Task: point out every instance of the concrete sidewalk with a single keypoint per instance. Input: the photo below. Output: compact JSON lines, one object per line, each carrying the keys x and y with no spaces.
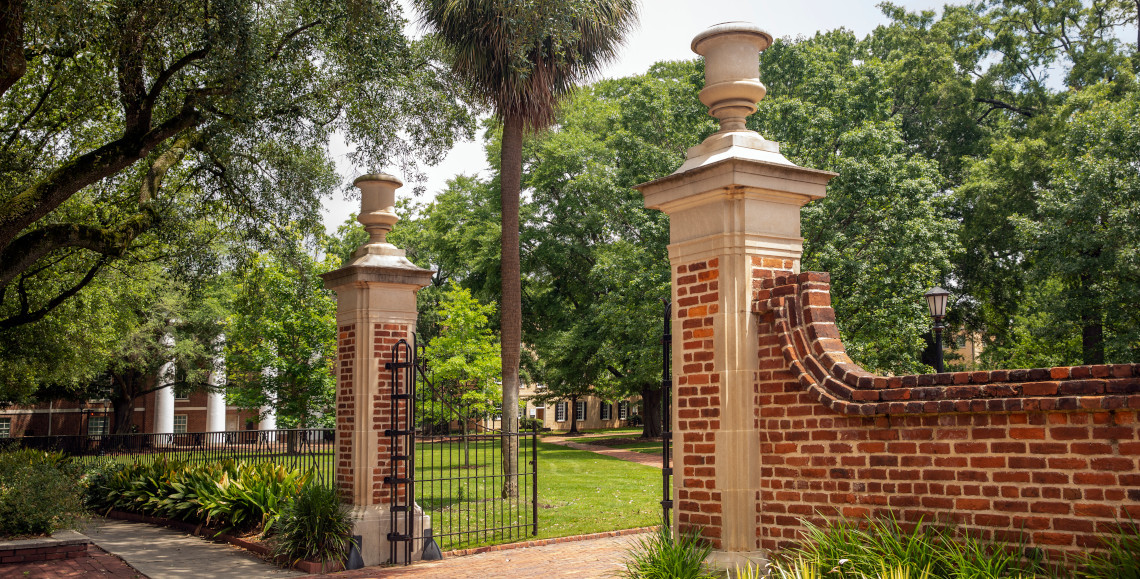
{"x":162,"y":553}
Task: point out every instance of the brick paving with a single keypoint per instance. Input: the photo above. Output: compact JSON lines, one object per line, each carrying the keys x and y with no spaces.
{"x":99,"y":563}
{"x":587,"y":559}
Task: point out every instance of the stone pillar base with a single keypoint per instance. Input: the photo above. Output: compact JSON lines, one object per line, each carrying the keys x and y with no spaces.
{"x":731,"y":560}
{"x":373,"y":523}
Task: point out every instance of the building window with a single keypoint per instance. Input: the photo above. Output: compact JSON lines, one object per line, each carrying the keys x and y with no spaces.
{"x":181,"y":392}
{"x":179,"y":423}
{"x":580,"y":410}
{"x":607,"y":410}
{"x":5,"y":427}
{"x":560,"y":411}
{"x":96,"y":425}
{"x":623,"y":410}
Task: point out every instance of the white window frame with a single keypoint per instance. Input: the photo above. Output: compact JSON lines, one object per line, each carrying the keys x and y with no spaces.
{"x":97,"y":425}
{"x":580,"y":410}
{"x":180,"y":425}
{"x":607,"y":411}
{"x":5,"y":427}
{"x":623,"y":410}
{"x":560,"y":411}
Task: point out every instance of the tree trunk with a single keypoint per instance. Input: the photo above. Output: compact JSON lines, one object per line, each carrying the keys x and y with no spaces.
{"x":1092,"y":324}
{"x":510,"y":306}
{"x":12,"y":63}
{"x":573,"y":415}
{"x":651,"y":406}
{"x":1092,"y":341}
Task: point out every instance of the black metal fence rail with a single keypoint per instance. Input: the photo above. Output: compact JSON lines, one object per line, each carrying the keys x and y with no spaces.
{"x":304,"y":449}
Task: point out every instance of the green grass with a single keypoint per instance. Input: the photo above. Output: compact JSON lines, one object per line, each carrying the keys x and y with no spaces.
{"x":579,"y":492}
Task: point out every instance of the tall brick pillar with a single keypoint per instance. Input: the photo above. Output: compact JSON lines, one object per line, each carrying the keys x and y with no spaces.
{"x":376,"y":307}
{"x":734,"y":209}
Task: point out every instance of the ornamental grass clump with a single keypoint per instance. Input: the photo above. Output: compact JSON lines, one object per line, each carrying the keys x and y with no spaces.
{"x":315,"y":525}
{"x":233,"y":495}
{"x":40,"y":493}
{"x":661,"y":556}
{"x":881,"y":549}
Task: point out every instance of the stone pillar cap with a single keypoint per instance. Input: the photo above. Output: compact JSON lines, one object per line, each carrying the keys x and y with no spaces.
{"x":378,"y":177}
{"x":764,"y":39}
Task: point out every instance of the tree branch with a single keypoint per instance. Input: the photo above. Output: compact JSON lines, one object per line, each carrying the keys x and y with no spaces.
{"x":29,"y":248}
{"x":36,"y":201}
{"x":1007,"y":106}
{"x":26,"y":317}
{"x":165,"y":76}
{"x":290,"y":36}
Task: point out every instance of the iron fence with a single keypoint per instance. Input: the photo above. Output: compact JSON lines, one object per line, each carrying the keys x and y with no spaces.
{"x":304,"y":449}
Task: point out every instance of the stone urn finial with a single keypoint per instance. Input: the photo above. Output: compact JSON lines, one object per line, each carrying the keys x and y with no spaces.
{"x":378,"y":214}
{"x":377,"y":205}
{"x":732,"y":71}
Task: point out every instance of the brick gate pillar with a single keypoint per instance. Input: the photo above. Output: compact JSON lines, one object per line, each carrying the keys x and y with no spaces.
{"x":376,"y":307}
{"x":734,"y":209}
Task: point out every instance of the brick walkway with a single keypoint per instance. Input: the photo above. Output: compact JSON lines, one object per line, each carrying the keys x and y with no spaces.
{"x":589,"y":559}
{"x":100,"y":564}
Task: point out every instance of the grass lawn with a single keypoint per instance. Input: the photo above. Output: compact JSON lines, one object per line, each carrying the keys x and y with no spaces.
{"x":582,"y":492}
{"x":579,"y":492}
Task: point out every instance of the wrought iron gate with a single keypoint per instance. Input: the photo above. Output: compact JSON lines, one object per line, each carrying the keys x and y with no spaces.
{"x":666,"y":412}
{"x":449,"y":457}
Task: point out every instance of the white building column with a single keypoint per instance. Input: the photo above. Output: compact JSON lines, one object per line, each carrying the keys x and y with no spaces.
{"x":164,"y":402}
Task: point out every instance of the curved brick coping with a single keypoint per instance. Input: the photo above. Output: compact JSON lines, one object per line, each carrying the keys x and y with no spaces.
{"x":800,"y":310}
{"x":544,"y":542}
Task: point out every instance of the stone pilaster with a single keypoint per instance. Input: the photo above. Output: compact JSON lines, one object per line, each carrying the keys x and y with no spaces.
{"x":376,"y":307}
{"x":734,"y":215}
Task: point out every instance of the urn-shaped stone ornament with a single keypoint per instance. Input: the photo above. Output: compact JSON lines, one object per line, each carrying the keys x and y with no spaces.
{"x":732,"y":71}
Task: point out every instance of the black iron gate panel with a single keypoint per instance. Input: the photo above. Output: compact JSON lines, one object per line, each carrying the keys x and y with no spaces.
{"x":458,"y":457}
{"x":667,"y":412}
{"x":400,"y":480}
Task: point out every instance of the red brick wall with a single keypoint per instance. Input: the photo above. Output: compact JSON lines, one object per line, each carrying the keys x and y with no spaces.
{"x":698,"y":386}
{"x":1052,"y":453}
{"x":345,"y":405}
{"x":384,"y":337}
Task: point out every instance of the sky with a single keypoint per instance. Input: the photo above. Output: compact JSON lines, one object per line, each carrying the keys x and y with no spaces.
{"x":667,"y":27}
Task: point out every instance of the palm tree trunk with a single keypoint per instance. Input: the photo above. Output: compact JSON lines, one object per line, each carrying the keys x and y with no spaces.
{"x":510,"y":308}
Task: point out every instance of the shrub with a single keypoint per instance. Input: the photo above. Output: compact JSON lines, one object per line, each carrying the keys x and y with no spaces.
{"x":315,"y":525}
{"x":40,"y":493}
{"x":230,"y":494}
{"x":659,"y":556}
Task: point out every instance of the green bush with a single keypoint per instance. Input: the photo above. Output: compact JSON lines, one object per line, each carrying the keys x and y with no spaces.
{"x":230,"y":494}
{"x":316,"y":525}
{"x":40,"y":493}
{"x":659,"y":556}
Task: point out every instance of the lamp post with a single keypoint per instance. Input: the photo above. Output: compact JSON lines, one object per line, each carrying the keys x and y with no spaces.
{"x":936,"y":301}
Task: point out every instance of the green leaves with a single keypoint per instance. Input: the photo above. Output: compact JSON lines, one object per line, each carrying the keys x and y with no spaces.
{"x":281,"y":338}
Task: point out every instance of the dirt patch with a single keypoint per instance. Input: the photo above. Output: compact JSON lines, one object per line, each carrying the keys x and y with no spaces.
{"x":612,"y":442}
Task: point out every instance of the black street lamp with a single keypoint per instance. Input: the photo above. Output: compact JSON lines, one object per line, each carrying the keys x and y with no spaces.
{"x":936,"y":301}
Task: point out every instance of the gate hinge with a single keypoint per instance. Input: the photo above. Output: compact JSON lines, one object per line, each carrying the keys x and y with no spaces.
{"x":398,"y":537}
{"x":389,"y":480}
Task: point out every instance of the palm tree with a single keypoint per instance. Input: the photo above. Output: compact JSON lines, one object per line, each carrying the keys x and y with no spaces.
{"x":520,"y":57}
